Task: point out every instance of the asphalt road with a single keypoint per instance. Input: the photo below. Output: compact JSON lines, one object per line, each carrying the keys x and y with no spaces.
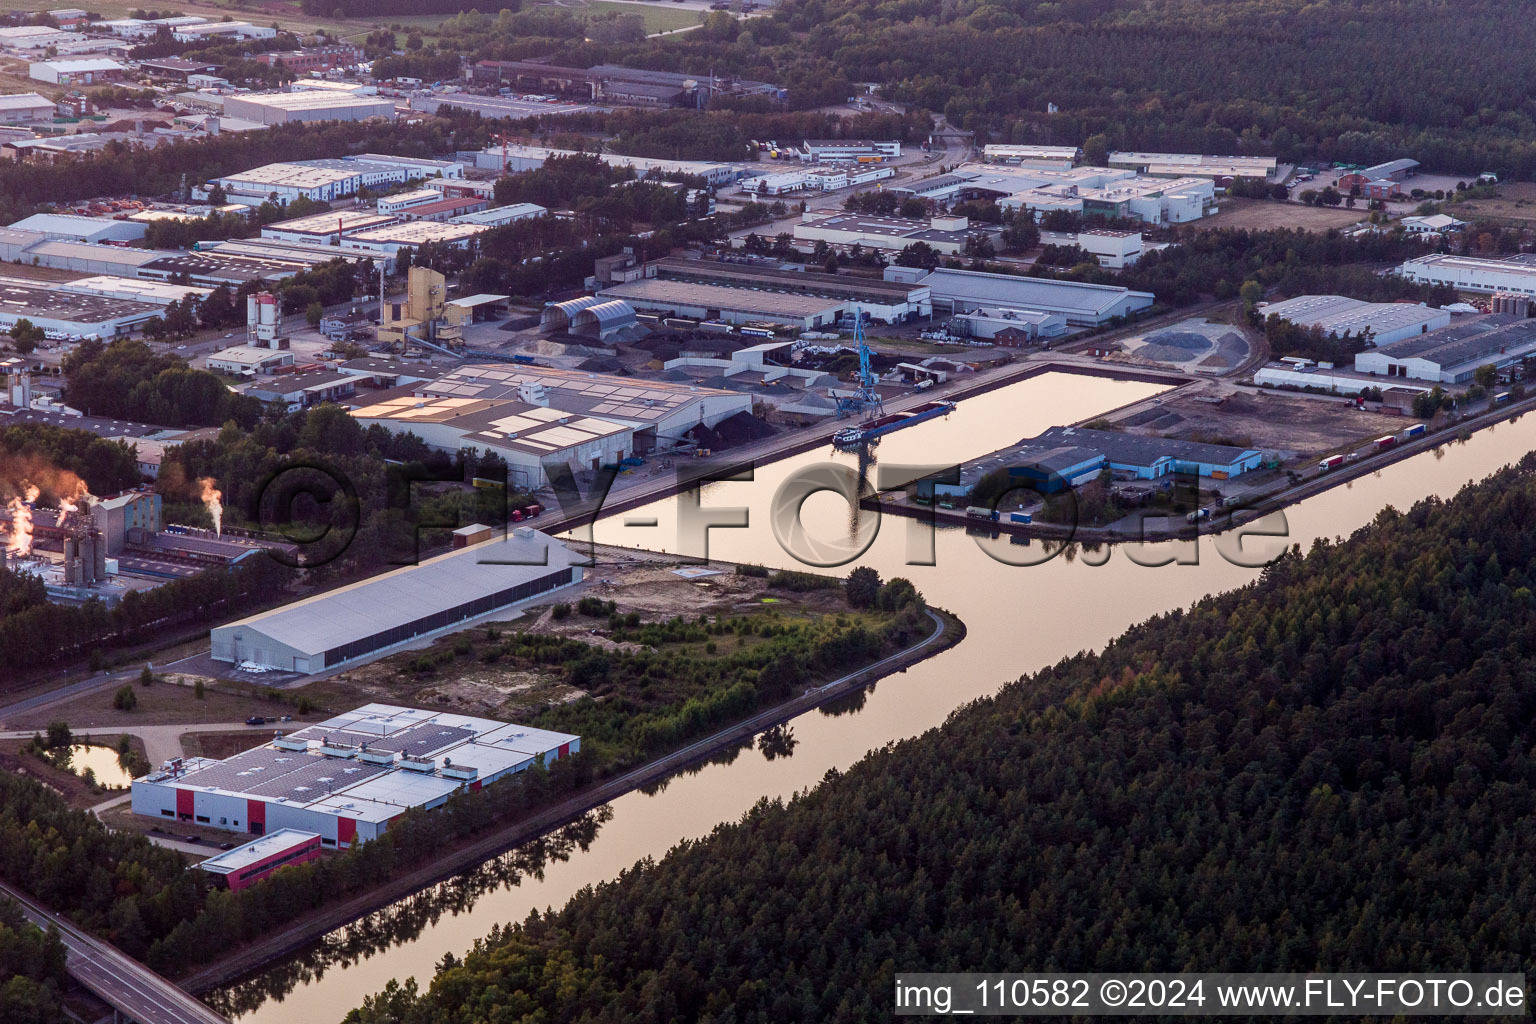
{"x":119,"y":980}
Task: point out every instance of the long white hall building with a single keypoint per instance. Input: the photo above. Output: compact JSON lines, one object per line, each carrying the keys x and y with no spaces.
{"x":348,"y":777}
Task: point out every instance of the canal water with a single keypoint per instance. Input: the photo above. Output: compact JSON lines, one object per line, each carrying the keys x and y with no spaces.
{"x":1020,"y":618}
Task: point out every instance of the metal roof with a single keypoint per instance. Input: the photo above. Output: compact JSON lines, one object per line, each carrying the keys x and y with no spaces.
{"x":325,"y":621}
{"x":1390,"y":167}
{"x":614,"y":313}
{"x":1339,"y":314}
{"x":1139,"y":450}
{"x":1027,"y":292}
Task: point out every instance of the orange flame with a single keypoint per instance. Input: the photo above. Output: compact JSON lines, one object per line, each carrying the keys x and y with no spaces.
{"x":213,"y":499}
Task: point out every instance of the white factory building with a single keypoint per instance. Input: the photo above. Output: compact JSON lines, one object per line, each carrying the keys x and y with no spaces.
{"x":84,"y":71}
{"x":1080,"y":304}
{"x":499,"y":215}
{"x":25,"y":108}
{"x":387,"y":241}
{"x":514,"y":158}
{"x":70,"y":314}
{"x":1194,"y":165}
{"x":945,"y":234}
{"x":818,"y":150}
{"x":654,"y":410}
{"x":1007,"y":326}
{"x":1452,"y":355}
{"x":1474,"y":273}
{"x":1094,"y":191}
{"x":289,"y":181}
{"x":221,"y":31}
{"x":68,"y":227}
{"x":1055,"y":157}
{"x":348,"y":777}
{"x":325,"y":228}
{"x":1337,"y":315}
{"x":531,"y":438}
{"x":286,"y":107}
{"x":364,"y":619}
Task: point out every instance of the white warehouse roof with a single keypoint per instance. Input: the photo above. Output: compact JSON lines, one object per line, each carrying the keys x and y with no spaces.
{"x":404,"y":597}
{"x":1339,"y":314}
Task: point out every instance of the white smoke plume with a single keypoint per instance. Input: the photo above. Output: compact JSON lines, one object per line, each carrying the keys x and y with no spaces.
{"x":20,"y":532}
{"x":213,"y":500}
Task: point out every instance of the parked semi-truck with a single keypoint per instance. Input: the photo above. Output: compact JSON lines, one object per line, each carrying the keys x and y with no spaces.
{"x":1383,"y":443}
{"x":981,"y":512}
{"x":1331,"y":462}
{"x":1417,"y":430}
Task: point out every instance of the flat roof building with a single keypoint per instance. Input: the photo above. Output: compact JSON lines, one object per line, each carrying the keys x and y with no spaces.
{"x":67,"y":314}
{"x":815,"y":150}
{"x":251,"y":862}
{"x":948,"y":235}
{"x":288,"y":107}
{"x":1194,"y":165}
{"x":289,"y":181}
{"x":497,"y":216}
{"x":243,"y":360}
{"x":514,"y":158}
{"x":84,"y":71}
{"x":25,"y":108}
{"x":1379,"y":322}
{"x":1060,"y":157}
{"x":799,"y":296}
{"x":325,"y":228}
{"x":1081,"y":304}
{"x":1472,"y":273}
{"x":302,"y":390}
{"x":345,"y":779}
{"x":402,"y":201}
{"x":375,"y":615}
{"x":1152,"y":457}
{"x":388,"y":240}
{"x":530,"y":438}
{"x":654,"y":410}
{"x":68,"y":227}
{"x":1452,"y":355}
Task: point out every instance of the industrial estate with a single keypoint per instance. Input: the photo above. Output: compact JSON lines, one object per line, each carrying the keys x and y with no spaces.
{"x":417,"y":433}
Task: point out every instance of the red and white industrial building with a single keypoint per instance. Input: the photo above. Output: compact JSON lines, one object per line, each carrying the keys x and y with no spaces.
{"x":347,"y":778}
{"x":250,"y":862}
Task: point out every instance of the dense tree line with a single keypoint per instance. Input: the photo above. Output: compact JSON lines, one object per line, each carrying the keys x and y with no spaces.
{"x":126,"y":380}
{"x":37,"y":633}
{"x":1329,"y":769}
{"x":116,"y":884}
{"x":106,"y":466}
{"x":32,"y":964}
{"x":1293,"y":261}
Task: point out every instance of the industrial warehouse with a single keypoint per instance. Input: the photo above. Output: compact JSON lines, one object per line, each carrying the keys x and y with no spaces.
{"x":736,"y":293}
{"x":532,"y":439}
{"x":1452,"y":355}
{"x":1381,"y":323}
{"x":1080,"y":304}
{"x":345,"y":779}
{"x":365,"y":618}
{"x":289,"y":107}
{"x":70,"y":314}
{"x":1474,"y":273}
{"x":657,"y":411}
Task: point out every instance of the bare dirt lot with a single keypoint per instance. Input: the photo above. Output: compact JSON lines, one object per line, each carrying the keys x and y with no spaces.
{"x":640,"y":582}
{"x":1516,"y":202}
{"x":1263,"y":419}
{"x":1261,"y":214}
